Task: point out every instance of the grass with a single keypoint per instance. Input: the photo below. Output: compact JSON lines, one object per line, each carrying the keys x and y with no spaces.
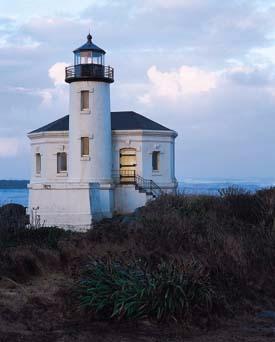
{"x":231,"y":239}
{"x":178,"y":258}
{"x":133,"y":291}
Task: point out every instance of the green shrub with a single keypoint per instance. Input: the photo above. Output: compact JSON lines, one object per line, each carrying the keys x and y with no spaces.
{"x":129,"y":291}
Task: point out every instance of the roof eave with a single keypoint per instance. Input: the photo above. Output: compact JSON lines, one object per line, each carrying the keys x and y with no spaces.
{"x":169,"y":133}
{"x":47,"y":134}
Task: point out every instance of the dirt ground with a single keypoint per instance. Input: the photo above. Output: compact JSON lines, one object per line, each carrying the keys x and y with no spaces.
{"x":38,"y":310}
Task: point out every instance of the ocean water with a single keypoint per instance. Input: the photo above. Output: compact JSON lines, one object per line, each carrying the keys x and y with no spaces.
{"x":19,"y":196}
{"x":213,"y":186}
{"x":189,"y":186}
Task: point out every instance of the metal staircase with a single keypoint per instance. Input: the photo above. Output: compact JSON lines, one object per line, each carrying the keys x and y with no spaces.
{"x":147,"y":186}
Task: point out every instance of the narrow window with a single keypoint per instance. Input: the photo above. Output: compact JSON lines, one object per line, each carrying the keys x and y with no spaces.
{"x":84,"y":146}
{"x":38,"y":163}
{"x":155,"y":160}
{"x":61,"y":162}
{"x":84,"y":100}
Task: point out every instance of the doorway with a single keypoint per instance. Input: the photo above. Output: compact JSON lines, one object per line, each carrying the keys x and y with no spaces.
{"x":128,"y":163}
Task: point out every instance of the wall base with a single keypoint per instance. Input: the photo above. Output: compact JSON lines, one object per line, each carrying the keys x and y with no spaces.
{"x":128,"y":199}
{"x":71,"y":206}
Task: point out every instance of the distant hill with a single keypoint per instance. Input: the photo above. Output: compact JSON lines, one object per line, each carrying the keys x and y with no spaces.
{"x":13,"y":184}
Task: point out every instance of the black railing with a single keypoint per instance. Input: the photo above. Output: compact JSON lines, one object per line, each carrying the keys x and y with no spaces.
{"x":93,"y":72}
{"x":142,"y":184}
{"x":149,"y":186}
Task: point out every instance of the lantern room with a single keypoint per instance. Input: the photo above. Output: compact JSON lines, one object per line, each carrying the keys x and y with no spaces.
{"x":89,"y":53}
{"x":89,"y":64}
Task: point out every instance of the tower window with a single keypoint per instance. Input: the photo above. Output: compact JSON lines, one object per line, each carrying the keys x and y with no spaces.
{"x":84,"y":100}
{"x":156,"y":161}
{"x":84,"y":146}
{"x":38,"y":163}
{"x":61,"y":162}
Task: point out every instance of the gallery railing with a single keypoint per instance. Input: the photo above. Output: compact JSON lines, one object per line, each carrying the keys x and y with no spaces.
{"x":93,"y":72}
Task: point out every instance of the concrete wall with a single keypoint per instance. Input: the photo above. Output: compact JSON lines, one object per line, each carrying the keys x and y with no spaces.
{"x":48,"y":145}
{"x":61,"y":204}
{"x":95,"y":124}
{"x":127,"y":199}
{"x":145,"y":143}
{"x":68,"y":203}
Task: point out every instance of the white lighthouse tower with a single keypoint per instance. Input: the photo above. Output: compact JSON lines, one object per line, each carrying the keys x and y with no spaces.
{"x":90,"y":135}
{"x":93,"y":163}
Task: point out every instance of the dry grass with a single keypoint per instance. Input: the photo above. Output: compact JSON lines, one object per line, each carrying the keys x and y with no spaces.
{"x":230,"y":237}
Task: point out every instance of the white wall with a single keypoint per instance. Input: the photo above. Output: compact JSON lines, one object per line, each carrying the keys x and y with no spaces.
{"x":95,"y":124}
{"x":145,"y":142}
{"x":48,"y":145}
{"x":127,"y":199}
{"x":63,"y":205}
{"x":73,"y":204}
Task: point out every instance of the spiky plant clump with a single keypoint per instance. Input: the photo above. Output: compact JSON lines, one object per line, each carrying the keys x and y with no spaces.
{"x":117,"y":290}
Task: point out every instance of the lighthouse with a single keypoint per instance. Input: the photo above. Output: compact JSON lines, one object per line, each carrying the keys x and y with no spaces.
{"x":90,"y":136}
{"x":94,"y":163}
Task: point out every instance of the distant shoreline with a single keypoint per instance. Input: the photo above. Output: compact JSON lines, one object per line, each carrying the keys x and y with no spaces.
{"x":194,"y":186}
{"x":14,"y":184}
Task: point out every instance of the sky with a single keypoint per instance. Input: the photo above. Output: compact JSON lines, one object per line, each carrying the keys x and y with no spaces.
{"x":205,"y":68}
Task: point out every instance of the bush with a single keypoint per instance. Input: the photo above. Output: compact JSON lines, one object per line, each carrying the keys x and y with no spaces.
{"x":12,"y":216}
{"x":230,"y":236}
{"x":42,"y":237}
{"x":14,"y":231}
{"x":243,"y":205}
{"x":129,"y":291}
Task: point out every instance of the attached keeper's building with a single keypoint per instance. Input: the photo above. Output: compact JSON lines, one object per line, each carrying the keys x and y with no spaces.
{"x":94,"y":163}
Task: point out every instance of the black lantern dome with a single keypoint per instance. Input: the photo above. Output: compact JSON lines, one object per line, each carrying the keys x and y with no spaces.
{"x":89,"y":64}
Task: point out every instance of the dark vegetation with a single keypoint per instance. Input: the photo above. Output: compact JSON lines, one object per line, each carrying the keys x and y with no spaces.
{"x":13,"y":184}
{"x":189,"y":259}
{"x":184,"y":258}
{"x":13,"y":231}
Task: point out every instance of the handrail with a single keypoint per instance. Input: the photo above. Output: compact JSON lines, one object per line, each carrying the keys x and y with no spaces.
{"x":130,"y":177}
{"x":148,"y":184}
{"x":89,"y":71}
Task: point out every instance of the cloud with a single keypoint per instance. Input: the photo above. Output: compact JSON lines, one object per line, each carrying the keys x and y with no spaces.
{"x":57,"y":73}
{"x":8,"y":147}
{"x":227,"y":130}
{"x":202,"y":67}
{"x":49,"y":95}
{"x":173,"y":3}
{"x":200,"y":32}
{"x":175,"y":84}
{"x":258,"y":77}
{"x":188,"y":82}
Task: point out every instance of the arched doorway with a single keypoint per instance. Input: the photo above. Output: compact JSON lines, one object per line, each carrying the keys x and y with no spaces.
{"x":128,"y":162}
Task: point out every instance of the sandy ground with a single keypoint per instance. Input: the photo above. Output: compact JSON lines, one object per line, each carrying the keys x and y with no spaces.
{"x":38,"y":311}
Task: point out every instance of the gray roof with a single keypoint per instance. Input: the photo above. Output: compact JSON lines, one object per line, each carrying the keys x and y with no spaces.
{"x":119,"y":121}
{"x":90,"y":46}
